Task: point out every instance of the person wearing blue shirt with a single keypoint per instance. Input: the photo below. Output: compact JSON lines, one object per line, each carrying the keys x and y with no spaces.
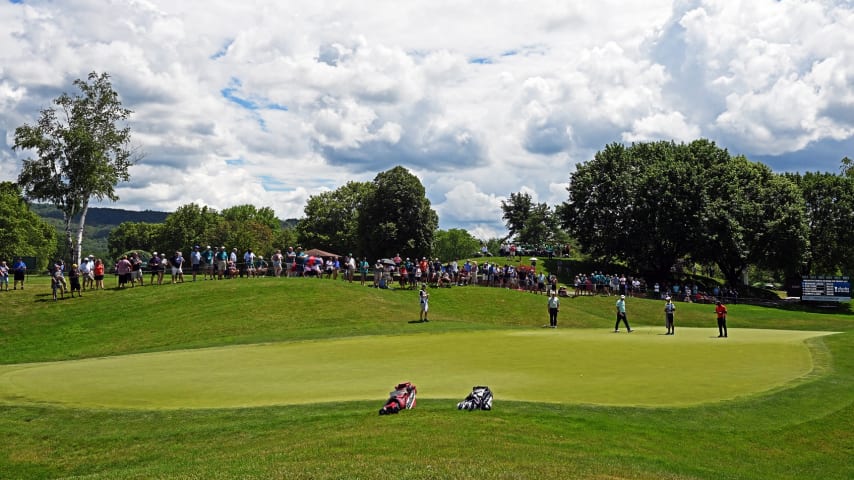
{"x":208,"y":262}
{"x":621,"y":315}
{"x":20,"y":271}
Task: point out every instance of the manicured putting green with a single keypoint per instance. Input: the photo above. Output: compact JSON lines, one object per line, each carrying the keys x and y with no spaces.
{"x":643,"y":368}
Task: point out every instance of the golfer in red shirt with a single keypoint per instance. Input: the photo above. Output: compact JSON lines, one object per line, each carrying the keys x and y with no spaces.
{"x":720,"y":309}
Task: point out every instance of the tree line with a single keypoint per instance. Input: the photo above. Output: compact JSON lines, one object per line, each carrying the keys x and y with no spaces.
{"x":651,"y":205}
{"x":375,"y":219}
{"x":656,"y":205}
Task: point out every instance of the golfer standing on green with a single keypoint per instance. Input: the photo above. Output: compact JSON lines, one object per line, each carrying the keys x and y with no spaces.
{"x":621,"y":315}
{"x":423,"y":298}
{"x":720,"y":310}
{"x":669,"y":308}
{"x":554,"y":307}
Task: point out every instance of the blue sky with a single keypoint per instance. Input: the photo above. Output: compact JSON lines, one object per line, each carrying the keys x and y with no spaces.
{"x":269,"y":103}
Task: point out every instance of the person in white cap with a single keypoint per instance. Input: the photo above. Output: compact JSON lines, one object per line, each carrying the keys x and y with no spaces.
{"x":87,"y":275}
{"x":621,"y":315}
{"x":669,"y":308}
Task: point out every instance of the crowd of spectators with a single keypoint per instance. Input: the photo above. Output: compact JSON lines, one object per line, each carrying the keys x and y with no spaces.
{"x":220,"y":263}
{"x":598,"y":283}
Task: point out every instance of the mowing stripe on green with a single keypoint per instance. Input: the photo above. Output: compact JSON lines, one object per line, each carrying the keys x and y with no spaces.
{"x":643,"y":368}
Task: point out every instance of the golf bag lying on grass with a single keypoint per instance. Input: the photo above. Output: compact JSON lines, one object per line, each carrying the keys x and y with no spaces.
{"x":403,"y":397}
{"x":480,"y":398}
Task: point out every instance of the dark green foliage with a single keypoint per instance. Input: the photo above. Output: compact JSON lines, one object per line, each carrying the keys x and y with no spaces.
{"x":397,"y":217}
{"x":455,"y":244}
{"x":134,"y":236}
{"x":22,"y":232}
{"x":527,"y":222}
{"x":189,"y":225}
{"x":653,"y":204}
{"x":331,"y":221}
{"x":829,"y":204}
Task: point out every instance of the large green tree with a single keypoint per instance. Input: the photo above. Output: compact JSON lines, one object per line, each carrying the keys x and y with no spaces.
{"x":134,"y":236}
{"x":245,"y":226}
{"x":653,"y":204}
{"x":829,"y":204}
{"x":528,"y":222}
{"x":515,"y":211}
{"x":397,"y":217}
{"x":455,"y":244}
{"x":83,"y":150}
{"x":331,"y":219}
{"x":753,"y":217}
{"x":189,"y":225}
{"x":596,"y":211}
{"x":22,"y":232}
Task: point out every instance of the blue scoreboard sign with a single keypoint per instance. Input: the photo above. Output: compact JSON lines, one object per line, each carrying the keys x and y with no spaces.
{"x":826,"y":289}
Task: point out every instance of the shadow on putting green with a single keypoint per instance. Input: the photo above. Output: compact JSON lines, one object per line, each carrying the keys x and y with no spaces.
{"x":543,"y":365}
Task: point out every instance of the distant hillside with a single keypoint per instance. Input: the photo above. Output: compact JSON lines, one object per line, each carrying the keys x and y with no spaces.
{"x":103,"y":216}
{"x":99,"y":223}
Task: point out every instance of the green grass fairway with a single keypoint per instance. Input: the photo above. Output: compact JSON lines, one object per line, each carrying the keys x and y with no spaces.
{"x":585,"y":366}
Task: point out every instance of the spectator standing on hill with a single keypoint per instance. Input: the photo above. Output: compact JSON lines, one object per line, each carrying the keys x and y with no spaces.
{"x":423,"y":298}
{"x":351,"y":267}
{"x":58,"y":272}
{"x":290,"y":262}
{"x":233,"y":256}
{"x":299,"y":265}
{"x":98,"y":273}
{"x":261,"y":266}
{"x":177,"y":267}
{"x":363,"y":270}
{"x":669,"y":309}
{"x":329,"y":267}
{"x":136,"y":269}
{"x":207,"y":263}
{"x":249,"y":262}
{"x":85,"y":270}
{"x":56,"y":282}
{"x":621,"y":315}
{"x":195,"y":261}
{"x":720,"y":310}
{"x":89,"y":280}
{"x":19,"y":271}
{"x":554,"y":308}
{"x":74,"y":280}
{"x":221,"y":262}
{"x":154,"y":267}
{"x":4,"y":275}
{"x":123,"y":270}
{"x":277,"y":259}
{"x":249,"y":259}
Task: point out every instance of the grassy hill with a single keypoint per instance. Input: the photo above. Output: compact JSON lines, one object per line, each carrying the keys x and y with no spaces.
{"x":800,"y":430}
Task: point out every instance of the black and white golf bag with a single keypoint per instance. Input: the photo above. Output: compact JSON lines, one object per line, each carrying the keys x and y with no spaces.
{"x":480,"y":398}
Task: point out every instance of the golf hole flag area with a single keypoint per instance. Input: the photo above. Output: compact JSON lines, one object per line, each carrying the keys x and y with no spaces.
{"x":643,"y":368}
